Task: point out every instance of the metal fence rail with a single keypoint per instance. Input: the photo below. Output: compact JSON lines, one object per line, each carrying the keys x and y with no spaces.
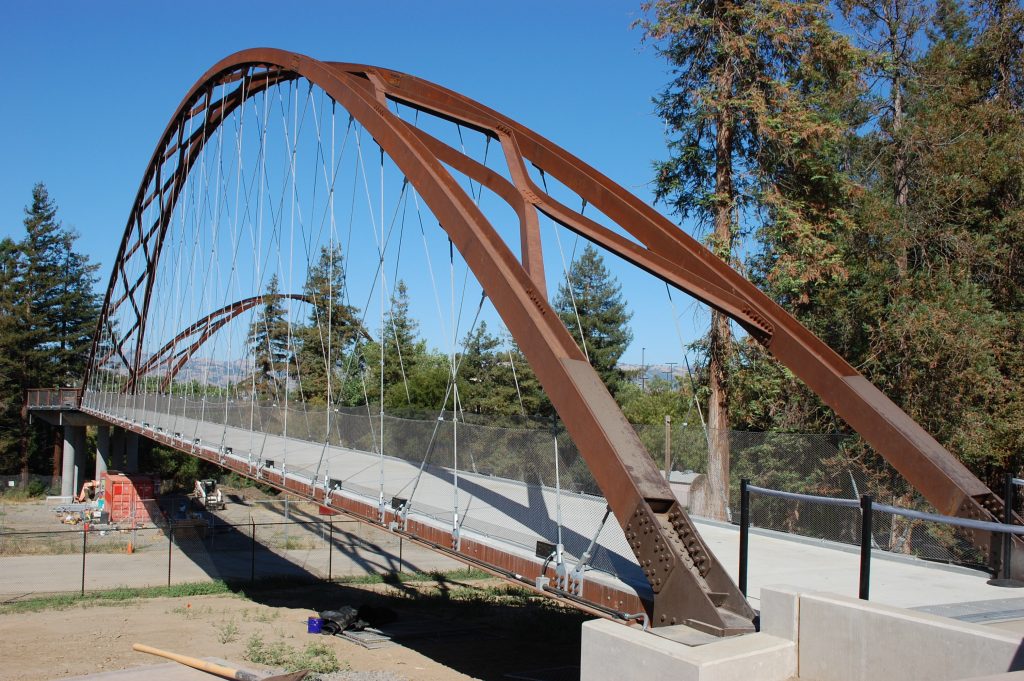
{"x":867,"y":509}
{"x":83,"y":560}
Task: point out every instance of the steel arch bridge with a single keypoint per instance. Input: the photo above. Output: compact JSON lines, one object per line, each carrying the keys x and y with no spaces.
{"x":184,"y":209}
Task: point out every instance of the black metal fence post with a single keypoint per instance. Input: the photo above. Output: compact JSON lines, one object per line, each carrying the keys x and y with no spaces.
{"x":85,"y":534}
{"x":170,"y":548}
{"x":330,"y":548}
{"x":1008,"y":502}
{"x":744,"y":533}
{"x":252,"y":565}
{"x":865,"y":545}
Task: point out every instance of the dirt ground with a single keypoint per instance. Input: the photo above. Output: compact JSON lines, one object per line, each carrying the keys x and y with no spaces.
{"x":449,"y":640}
{"x":443,"y":630}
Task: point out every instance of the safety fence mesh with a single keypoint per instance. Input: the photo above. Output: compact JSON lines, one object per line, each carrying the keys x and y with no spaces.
{"x":290,"y":542}
{"x":541,"y":457}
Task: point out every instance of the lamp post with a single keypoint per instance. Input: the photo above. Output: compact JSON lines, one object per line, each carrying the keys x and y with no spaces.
{"x":643,"y":369}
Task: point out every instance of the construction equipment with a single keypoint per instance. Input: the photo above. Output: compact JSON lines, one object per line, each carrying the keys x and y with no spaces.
{"x":217,"y":669}
{"x":208,"y":496}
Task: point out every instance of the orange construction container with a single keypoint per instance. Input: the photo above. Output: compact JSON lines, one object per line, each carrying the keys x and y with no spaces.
{"x":130,"y":498}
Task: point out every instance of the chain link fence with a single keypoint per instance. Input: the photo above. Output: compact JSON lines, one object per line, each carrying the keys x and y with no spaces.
{"x":298,"y":546}
{"x":540,"y":455}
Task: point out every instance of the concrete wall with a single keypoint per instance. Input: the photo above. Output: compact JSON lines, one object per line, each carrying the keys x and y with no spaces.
{"x":845,"y":639}
{"x":815,"y":636}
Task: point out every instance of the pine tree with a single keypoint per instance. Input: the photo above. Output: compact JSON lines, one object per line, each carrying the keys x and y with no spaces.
{"x":486,"y":384}
{"x":889,"y":30}
{"x":45,"y":251}
{"x":269,"y":346}
{"x":325,"y":341}
{"x":77,"y":312}
{"x":57,"y":313}
{"x":590,"y":305}
{"x":744,"y":134}
{"x":13,"y":371}
{"x":403,"y":349}
{"x":944,"y":329}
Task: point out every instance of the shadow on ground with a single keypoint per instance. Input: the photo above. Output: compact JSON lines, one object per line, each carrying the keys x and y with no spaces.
{"x":487,"y":630}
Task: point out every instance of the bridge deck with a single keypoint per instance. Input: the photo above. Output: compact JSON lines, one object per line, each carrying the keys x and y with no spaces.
{"x":501,"y":520}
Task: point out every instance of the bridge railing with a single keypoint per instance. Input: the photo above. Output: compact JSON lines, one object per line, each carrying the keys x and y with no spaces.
{"x":871,"y":525}
{"x":53,"y":398}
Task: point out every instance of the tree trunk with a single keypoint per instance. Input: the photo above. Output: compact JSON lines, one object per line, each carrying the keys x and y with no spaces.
{"x":721,"y":335}
{"x":895,"y":15}
{"x":58,"y":452}
{"x":23,"y":442}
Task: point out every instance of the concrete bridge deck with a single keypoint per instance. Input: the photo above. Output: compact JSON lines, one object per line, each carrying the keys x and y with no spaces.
{"x":510,"y":516}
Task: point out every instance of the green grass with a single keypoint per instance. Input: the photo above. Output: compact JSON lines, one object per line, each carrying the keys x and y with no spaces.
{"x":217,"y":587}
{"x":316,"y":657}
{"x":113,"y":596}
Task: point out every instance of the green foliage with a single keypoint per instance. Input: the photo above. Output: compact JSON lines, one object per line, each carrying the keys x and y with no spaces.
{"x":591,"y":306}
{"x":325,"y":342}
{"x":887,"y":219}
{"x":113,"y":597}
{"x":178,"y":467}
{"x":486,"y":383}
{"x":652,"y":405}
{"x":269,"y":345}
{"x":48,"y":313}
{"x":315,"y":657}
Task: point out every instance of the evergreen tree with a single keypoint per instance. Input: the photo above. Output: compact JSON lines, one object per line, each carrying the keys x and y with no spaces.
{"x":590,"y":305}
{"x":54,"y":318}
{"x":486,"y":384}
{"x":889,"y":30}
{"x":325,"y":342}
{"x":268,"y":344}
{"x":403,"y":349}
{"x":531,"y":400}
{"x":78,"y":310}
{"x":749,"y":115}
{"x":944,"y":328}
{"x":45,"y":252}
{"x":13,"y":371}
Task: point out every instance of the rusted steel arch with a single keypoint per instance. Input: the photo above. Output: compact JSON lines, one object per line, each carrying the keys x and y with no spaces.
{"x":688,"y":583}
{"x":176,"y":144}
{"x":173,"y":359}
{"x":673,"y":256}
{"x":206,"y":328}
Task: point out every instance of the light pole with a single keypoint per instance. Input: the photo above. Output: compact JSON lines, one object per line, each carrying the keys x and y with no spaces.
{"x":643,"y":369}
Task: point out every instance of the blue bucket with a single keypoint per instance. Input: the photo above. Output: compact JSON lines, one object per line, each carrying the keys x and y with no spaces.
{"x":314,"y":625}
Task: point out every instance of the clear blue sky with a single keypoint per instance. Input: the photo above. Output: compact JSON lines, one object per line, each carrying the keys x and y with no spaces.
{"x":90,"y":86}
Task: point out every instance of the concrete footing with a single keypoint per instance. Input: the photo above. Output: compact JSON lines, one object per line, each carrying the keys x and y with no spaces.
{"x":614,"y":651}
{"x":816,"y":636}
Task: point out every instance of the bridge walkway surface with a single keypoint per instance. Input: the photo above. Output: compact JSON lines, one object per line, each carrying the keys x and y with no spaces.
{"x":511,"y":516}
{"x":503,"y":518}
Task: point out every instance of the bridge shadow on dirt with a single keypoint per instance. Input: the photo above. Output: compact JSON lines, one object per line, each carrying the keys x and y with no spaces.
{"x":486,"y":629}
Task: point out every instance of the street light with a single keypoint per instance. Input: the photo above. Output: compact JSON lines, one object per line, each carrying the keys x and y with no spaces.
{"x":643,"y":369}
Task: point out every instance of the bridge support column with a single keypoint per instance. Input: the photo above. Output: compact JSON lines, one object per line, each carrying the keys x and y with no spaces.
{"x":117,"y":447}
{"x":145,"y":449}
{"x":73,"y":467}
{"x":131,"y":452}
{"x":102,"y":450}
